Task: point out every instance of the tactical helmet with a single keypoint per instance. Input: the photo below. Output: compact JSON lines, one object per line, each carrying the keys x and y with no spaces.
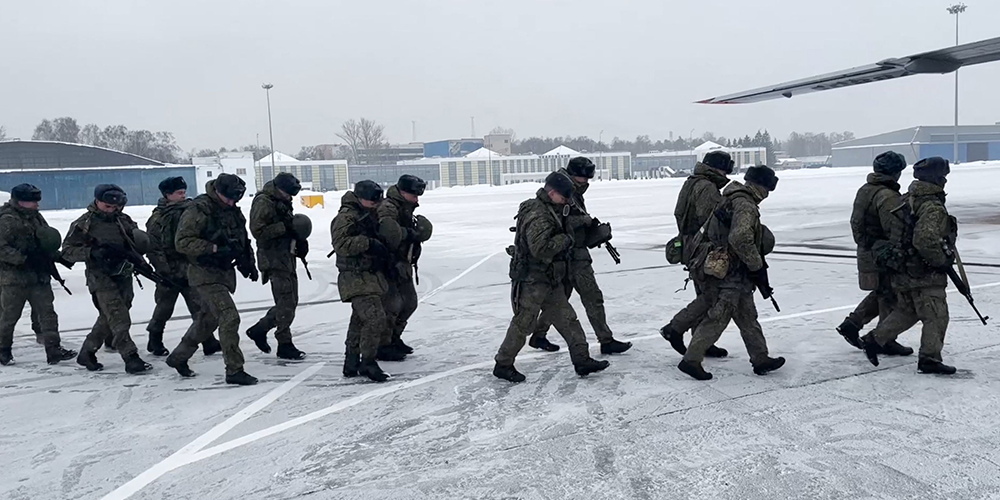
{"x":49,"y":239}
{"x":933,"y":170}
{"x":287,"y":183}
{"x":302,"y":226}
{"x":172,"y":185}
{"x":763,"y":176}
{"x":889,"y":162}
{"x":110,"y":194}
{"x":25,"y":192}
{"x":581,"y":167}
{"x":560,"y":184}
{"x":766,"y":240}
{"x":424,"y":228}
{"x":719,"y":160}
{"x":141,"y":240}
{"x":230,"y":186}
{"x":411,"y":184}
{"x":368,"y":190}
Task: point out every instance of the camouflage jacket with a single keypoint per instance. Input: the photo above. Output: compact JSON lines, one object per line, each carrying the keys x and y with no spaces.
{"x":743,"y":235}
{"x":872,"y":223}
{"x":18,"y":242}
{"x":542,"y":244}
{"x":932,"y":230}
{"x":579,"y":222}
{"x":95,"y":228}
{"x":352,"y":231}
{"x":209,"y":222}
{"x":270,"y":217}
{"x":397,"y":228}
{"x":162,"y":229}
{"x":698,"y":199}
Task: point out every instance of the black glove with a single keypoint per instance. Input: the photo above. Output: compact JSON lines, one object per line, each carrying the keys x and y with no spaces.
{"x":598,"y":235}
{"x":301,"y":248}
{"x":377,"y":249}
{"x":106,"y":254}
{"x":761,"y":281}
{"x":59,"y":259}
{"x":249,"y":271}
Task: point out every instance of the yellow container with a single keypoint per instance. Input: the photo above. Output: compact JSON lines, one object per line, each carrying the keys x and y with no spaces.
{"x":313,"y":200}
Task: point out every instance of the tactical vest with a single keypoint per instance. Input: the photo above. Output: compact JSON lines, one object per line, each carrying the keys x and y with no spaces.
{"x":872,"y":224}
{"x":366,"y":225}
{"x":522,"y":266}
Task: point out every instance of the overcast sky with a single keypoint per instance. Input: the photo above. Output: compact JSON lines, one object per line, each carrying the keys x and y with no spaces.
{"x":194,"y":67}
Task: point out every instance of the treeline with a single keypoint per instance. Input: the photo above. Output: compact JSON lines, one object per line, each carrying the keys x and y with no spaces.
{"x":160,"y":146}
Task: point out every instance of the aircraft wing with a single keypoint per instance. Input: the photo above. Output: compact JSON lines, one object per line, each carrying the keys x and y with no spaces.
{"x":939,"y":61}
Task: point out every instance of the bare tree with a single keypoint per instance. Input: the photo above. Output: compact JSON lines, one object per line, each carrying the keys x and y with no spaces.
{"x":43,"y":131}
{"x":91,"y":134}
{"x":306,"y":153}
{"x":3,"y":133}
{"x":363,"y":136}
{"x":504,"y":130}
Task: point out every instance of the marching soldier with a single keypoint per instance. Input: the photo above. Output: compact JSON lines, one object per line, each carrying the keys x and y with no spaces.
{"x":696,"y":203}
{"x":922,"y":255}
{"x":103,"y":238}
{"x":540,"y":272}
{"x":403,"y":234}
{"x":272,"y":225}
{"x":737,"y":264}
{"x":212,"y":234}
{"x":361,"y":260}
{"x":28,"y":250}
{"x":586,"y":230}
{"x":872,"y":223}
{"x":162,"y":228}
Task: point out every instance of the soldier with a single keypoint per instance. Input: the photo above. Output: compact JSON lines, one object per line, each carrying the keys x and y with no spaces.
{"x":162,"y":228}
{"x":922,"y":255}
{"x":585,"y":229}
{"x":403,"y":234}
{"x":361,"y":259}
{"x":737,"y":261}
{"x":872,"y":223}
{"x":540,"y":272}
{"x":696,"y":203}
{"x":271,"y":224}
{"x":212,"y":233}
{"x":28,"y":248}
{"x":103,"y":237}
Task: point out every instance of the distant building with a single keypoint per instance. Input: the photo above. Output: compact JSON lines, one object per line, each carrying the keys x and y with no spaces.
{"x":975,"y":143}
{"x":237,"y":163}
{"x":315,"y":175}
{"x":501,"y":143}
{"x":451,"y":148}
{"x":489,"y":167}
{"x":391,"y":153}
{"x":684,"y":161}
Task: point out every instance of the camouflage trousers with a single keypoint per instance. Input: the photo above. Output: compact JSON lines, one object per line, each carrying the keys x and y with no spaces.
{"x":43,"y":314}
{"x":727,"y":304}
{"x":285,"y":290}
{"x":929,"y":306}
{"x":400,"y":303}
{"x":531,"y":298}
{"x":876,"y":304}
{"x":368,"y":325}
{"x":166,"y":300}
{"x":219,"y":312}
{"x":692,"y":314}
{"x":585,"y":283}
{"x":113,"y":320}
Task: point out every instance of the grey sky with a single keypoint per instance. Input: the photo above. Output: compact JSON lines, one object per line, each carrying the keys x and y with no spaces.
{"x":541,"y":67}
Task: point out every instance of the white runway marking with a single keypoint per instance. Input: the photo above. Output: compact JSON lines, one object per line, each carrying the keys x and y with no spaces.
{"x":460,"y":276}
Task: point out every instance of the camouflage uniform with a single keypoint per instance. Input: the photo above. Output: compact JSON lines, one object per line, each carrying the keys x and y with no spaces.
{"x":540,"y":272}
{"x":361,"y":281}
{"x":270,"y":222}
{"x":24,"y":276}
{"x":209,"y":222}
{"x":109,"y":281}
{"x":581,"y":270}
{"x":731,"y":298}
{"x":921,"y":286}
{"x":397,"y":228}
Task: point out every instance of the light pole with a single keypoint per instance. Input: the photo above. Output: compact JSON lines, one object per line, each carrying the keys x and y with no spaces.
{"x":267,"y":89}
{"x":956,"y":9}
{"x":600,"y":156}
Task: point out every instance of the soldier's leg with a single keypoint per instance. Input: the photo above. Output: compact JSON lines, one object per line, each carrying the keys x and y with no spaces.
{"x":196,"y":309}
{"x":99,"y":332}
{"x":219,"y":304}
{"x":568,"y":325}
{"x":539,"y":333}
{"x":36,"y":326}
{"x":408,"y":293}
{"x":166,"y":299}
{"x":585,"y":283}
{"x":203,"y":325}
{"x":42,"y":303}
{"x":867,"y":310}
{"x":370,"y":323}
{"x":745,"y":317}
{"x":716,"y":320}
{"x":392,"y":306}
{"x":692,"y":314}
{"x":12,"y":299}
{"x":285,"y":289}
{"x":932,"y":310}
{"x":114,"y":306}
{"x":529,"y":304}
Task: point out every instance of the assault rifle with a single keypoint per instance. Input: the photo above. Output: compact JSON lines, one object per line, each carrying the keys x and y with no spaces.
{"x":962,"y":281}
{"x":764,"y":284}
{"x":54,"y":272}
{"x":130,"y":255}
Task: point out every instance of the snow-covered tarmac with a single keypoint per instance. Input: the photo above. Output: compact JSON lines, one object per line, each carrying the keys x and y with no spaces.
{"x":827,"y":425}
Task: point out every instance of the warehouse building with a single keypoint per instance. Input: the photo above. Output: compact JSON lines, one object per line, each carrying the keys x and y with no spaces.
{"x":489,"y":167}
{"x":683,"y":162}
{"x":315,"y":175}
{"x":975,"y":143}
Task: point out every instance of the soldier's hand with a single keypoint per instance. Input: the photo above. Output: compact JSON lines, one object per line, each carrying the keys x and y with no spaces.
{"x":377,"y":249}
{"x":301,"y":248}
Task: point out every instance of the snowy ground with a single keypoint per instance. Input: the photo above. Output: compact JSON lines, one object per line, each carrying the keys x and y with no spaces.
{"x":827,"y":425}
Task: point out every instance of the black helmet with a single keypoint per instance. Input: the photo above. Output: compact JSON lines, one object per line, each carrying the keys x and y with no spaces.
{"x":230,"y":186}
{"x":763,"y":176}
{"x":110,"y":194}
{"x":933,"y":170}
{"x":141,"y":239}
{"x":25,"y":192}
{"x":560,"y":184}
{"x":368,"y":190}
{"x":719,"y":160}
{"x":581,"y":167}
{"x":302,"y":225}
{"x":172,"y":185}
{"x":889,"y":162}
{"x":287,"y":183}
{"x":49,"y":239}
{"x":411,"y":184}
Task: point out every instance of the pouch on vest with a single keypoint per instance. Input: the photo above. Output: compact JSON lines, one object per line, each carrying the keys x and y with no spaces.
{"x":675,"y":250}
{"x":717,"y":263}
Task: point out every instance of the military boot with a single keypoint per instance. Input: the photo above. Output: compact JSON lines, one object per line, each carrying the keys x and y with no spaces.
{"x":155,"y":346}
{"x":258,"y":334}
{"x":135,"y":365}
{"x":241,"y":378}
{"x":508,"y":373}
{"x":398,"y":344}
{"x":694,"y":370}
{"x":181,"y":366}
{"x":871,"y":348}
{"x":88,"y":360}
{"x":893,"y":348}
{"x":369,"y":368}
{"x":934,"y":367}
{"x":289,"y":351}
{"x":850,"y":332}
{"x":211,"y":346}
{"x":716,"y":352}
{"x":590,"y":365}
{"x":352,"y":361}
{"x":388,"y":353}
{"x":56,"y":354}
{"x":541,"y":342}
{"x":769,"y":366}
{"x":615,"y":347}
{"x":675,"y":338}
{"x":6,"y":357}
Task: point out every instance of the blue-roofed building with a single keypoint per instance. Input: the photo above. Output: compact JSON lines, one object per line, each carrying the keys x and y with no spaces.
{"x":975,"y":143}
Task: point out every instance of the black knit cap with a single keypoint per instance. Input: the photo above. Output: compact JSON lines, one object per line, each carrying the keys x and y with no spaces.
{"x":171,"y":185}
{"x":25,"y":192}
{"x":581,"y":166}
{"x":763,"y":176}
{"x":719,"y":160}
{"x":560,"y":184}
{"x":411,"y":184}
{"x":889,"y":162}
{"x":368,"y":190}
{"x":287,"y":183}
{"x":933,"y":169}
{"x":110,"y":194}
{"x":230,"y":186}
